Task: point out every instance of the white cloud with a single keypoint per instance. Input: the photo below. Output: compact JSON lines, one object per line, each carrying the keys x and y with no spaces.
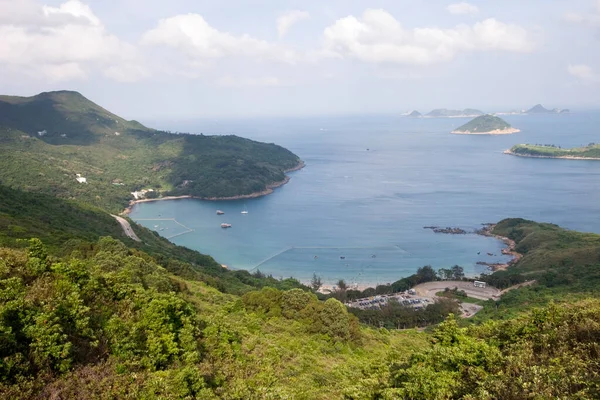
{"x":591,"y":18}
{"x":58,"y":43}
{"x":377,"y":37}
{"x":191,"y":34}
{"x":287,"y":20}
{"x":583,"y":72}
{"x":462,"y":8}
{"x":263,"y":81}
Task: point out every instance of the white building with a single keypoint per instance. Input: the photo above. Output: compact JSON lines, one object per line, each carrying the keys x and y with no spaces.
{"x":81,"y":179}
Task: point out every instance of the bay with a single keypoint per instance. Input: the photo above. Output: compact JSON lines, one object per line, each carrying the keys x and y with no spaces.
{"x":370,"y":185}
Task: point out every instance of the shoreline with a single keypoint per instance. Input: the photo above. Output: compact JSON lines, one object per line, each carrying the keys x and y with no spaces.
{"x":556,"y":157}
{"x":267,"y":191}
{"x":506,"y":131}
{"x":509,"y":250}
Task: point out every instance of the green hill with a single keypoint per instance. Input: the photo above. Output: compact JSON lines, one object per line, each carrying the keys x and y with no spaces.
{"x":486,"y":124}
{"x":591,"y":151}
{"x":47,"y":139}
{"x":62,"y":117}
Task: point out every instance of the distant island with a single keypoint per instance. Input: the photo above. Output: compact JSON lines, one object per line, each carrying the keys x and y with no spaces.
{"x":414,"y":114}
{"x":589,"y":152}
{"x":539,"y":109}
{"x":445,"y":113}
{"x":486,"y":125}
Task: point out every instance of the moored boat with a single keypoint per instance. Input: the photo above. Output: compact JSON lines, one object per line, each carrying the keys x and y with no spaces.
{"x":224,"y":225}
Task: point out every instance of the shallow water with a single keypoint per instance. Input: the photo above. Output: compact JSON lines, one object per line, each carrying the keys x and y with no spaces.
{"x":370,"y":206}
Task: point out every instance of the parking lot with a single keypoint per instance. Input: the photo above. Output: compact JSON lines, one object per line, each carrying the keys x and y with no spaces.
{"x":404,"y":298}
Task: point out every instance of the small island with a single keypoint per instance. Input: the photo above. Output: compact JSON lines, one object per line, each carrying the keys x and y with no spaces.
{"x":445,"y":113}
{"x":540,"y":109}
{"x":589,"y":152}
{"x":486,"y":125}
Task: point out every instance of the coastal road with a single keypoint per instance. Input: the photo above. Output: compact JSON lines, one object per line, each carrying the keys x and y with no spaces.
{"x":126,"y":227}
{"x":429,"y":289}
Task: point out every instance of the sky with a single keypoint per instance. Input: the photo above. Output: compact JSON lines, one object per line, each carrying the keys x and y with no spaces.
{"x":196,"y":58}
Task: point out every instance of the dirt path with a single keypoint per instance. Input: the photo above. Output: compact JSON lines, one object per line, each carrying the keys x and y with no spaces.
{"x":528,"y":283}
{"x":126,"y":227}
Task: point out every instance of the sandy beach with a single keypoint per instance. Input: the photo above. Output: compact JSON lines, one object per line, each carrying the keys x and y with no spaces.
{"x":265,"y":192}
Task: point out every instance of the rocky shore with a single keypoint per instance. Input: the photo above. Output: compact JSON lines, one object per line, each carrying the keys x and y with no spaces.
{"x":509,"y":250}
{"x":448,"y":230}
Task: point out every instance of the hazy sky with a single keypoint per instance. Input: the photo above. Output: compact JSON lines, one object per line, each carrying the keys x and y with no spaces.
{"x":197,"y":58}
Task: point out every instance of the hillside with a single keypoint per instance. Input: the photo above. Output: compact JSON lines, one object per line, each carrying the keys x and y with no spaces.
{"x":46,"y":140}
{"x":443,"y":112}
{"x":564,"y":264}
{"x":589,"y":152}
{"x":486,"y":124}
{"x":66,"y":226}
{"x":62,"y":117}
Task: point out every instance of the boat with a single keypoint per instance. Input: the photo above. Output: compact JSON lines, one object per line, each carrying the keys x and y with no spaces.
{"x":219,"y":212}
{"x":245,"y":211}
{"x":224,"y":225}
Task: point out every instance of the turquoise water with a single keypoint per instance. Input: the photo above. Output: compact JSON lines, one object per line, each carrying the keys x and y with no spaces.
{"x":370,"y":206}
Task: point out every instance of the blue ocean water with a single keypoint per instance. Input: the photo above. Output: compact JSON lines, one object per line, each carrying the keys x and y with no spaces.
{"x":371,"y":184}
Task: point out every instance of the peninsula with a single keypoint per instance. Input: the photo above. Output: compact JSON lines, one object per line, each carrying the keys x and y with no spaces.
{"x":75,"y":149}
{"x":589,"y":152}
{"x":486,"y":125}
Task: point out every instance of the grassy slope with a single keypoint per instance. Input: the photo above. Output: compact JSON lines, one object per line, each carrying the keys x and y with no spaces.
{"x":484,"y":123}
{"x":138,"y":157}
{"x":565,"y":264}
{"x":591,"y":151}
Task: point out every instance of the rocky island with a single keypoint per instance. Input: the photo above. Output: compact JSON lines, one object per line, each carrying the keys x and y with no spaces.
{"x":486,"y":125}
{"x":589,"y":152}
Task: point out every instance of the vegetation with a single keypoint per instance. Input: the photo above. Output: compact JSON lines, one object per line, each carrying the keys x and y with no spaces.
{"x":484,"y":124}
{"x":84,"y":315}
{"x":592,"y":150}
{"x":563,"y":265}
{"x":67,"y":226}
{"x":114,"y":324}
{"x":45,"y":140}
{"x":394,"y":315}
{"x":551,"y":353}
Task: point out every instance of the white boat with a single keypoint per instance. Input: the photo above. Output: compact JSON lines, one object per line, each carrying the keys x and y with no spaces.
{"x":245,"y":211}
{"x":224,"y":225}
{"x":219,"y":212}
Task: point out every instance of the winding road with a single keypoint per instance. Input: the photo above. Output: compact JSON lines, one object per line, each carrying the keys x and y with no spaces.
{"x":126,"y":227}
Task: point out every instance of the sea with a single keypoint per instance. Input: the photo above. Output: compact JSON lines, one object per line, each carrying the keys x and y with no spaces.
{"x":358,"y":209}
